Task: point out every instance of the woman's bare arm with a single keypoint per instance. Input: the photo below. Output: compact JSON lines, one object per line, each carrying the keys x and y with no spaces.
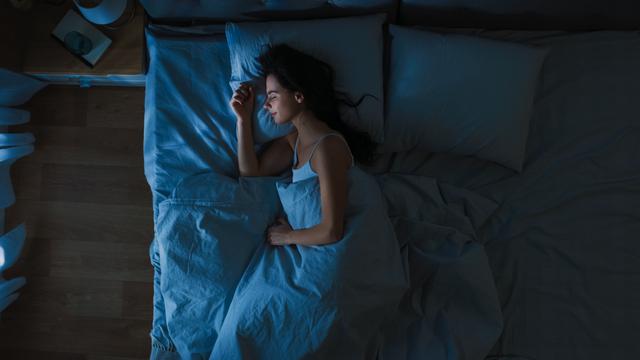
{"x":278,"y":154}
{"x":331,"y":165}
{"x":247,"y":160}
{"x":276,"y":158}
{"x":242,"y":103}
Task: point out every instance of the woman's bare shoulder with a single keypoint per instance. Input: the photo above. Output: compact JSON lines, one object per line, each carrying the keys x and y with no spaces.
{"x":334,"y":151}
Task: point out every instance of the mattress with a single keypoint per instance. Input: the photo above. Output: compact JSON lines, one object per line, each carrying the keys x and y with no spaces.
{"x":562,"y":244}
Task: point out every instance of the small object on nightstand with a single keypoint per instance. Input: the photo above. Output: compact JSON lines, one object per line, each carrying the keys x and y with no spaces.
{"x":81,"y":38}
{"x":123,"y":63}
{"x":106,"y":12}
{"x":78,"y":43}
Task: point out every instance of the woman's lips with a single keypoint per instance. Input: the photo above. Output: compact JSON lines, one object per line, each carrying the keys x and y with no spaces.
{"x":273,"y":114}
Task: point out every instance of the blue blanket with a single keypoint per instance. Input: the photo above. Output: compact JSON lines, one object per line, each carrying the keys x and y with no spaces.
{"x":326,"y":301}
{"x":290,"y":302}
{"x":228,"y":294}
{"x":206,"y":233}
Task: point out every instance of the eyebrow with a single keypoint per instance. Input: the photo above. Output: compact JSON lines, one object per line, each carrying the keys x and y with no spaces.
{"x":272,"y":91}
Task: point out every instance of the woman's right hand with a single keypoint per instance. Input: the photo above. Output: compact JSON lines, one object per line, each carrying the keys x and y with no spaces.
{"x":242,"y":102}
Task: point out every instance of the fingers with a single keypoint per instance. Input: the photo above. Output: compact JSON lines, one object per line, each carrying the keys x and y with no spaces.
{"x":274,"y":237}
{"x":237,"y":98}
{"x":245,"y":90}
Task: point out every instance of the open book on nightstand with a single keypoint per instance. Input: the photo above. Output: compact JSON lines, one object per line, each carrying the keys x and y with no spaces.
{"x":81,"y":38}
{"x":120,"y":60}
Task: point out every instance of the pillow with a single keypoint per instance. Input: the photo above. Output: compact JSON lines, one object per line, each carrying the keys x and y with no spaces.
{"x":460,"y":94}
{"x":352,"y":46}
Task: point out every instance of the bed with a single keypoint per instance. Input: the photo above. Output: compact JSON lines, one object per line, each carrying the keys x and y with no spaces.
{"x":539,"y":262}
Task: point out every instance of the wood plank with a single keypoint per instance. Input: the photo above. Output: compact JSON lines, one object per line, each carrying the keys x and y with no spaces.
{"x":68,"y":297}
{"x":95,"y":184}
{"x":100,"y":223}
{"x":72,"y":221}
{"x":58,"y":105}
{"x":111,"y":107}
{"x":96,"y":260}
{"x":137,"y":300}
{"x":71,"y":145}
{"x":84,"y":240}
{"x":23,"y":354}
{"x":20,"y":354}
{"x":74,"y":334}
{"x":26,"y":177}
{"x":83,"y":260}
{"x":65,"y":296}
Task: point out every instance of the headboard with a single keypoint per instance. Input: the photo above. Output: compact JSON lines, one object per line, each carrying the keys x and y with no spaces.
{"x":202,"y":11}
{"x":524,"y":15}
{"x":569,"y":15}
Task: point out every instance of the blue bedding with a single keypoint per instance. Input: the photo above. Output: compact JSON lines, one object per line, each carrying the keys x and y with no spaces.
{"x":189,"y":127}
{"x":560,"y":245}
{"x":205,"y":239}
{"x":326,"y":301}
{"x":409,"y":280}
{"x":228,"y":294}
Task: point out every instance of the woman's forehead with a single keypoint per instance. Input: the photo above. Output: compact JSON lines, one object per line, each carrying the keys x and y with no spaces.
{"x":272,"y":83}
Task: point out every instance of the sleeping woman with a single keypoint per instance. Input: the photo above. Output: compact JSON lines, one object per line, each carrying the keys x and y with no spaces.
{"x":312,"y":302}
{"x":300,"y":90}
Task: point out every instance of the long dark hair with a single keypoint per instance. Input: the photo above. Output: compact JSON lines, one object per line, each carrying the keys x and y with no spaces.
{"x":297,"y":71}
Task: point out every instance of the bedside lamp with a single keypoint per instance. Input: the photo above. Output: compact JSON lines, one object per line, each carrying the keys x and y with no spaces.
{"x":103,"y":12}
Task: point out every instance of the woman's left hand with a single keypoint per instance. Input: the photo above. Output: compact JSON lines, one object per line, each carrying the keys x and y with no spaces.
{"x":280,"y":233}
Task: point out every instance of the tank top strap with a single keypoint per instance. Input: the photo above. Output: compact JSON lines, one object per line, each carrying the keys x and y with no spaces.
{"x":295,"y":152}
{"x":322,"y":138}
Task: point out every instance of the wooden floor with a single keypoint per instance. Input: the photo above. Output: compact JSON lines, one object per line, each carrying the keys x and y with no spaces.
{"x":89,"y":220}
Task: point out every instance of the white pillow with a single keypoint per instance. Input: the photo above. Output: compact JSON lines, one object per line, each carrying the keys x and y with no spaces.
{"x":351,"y":45}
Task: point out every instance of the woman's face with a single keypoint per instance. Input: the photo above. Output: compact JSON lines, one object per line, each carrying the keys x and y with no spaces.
{"x":282,"y":103}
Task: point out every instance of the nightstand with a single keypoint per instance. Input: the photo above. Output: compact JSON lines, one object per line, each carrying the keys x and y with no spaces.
{"x":123,"y":64}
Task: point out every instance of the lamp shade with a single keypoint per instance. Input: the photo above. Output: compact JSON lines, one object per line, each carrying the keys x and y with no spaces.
{"x":102,"y":12}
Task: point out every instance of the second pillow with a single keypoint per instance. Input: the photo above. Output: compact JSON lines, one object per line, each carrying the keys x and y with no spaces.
{"x":460,"y":94}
